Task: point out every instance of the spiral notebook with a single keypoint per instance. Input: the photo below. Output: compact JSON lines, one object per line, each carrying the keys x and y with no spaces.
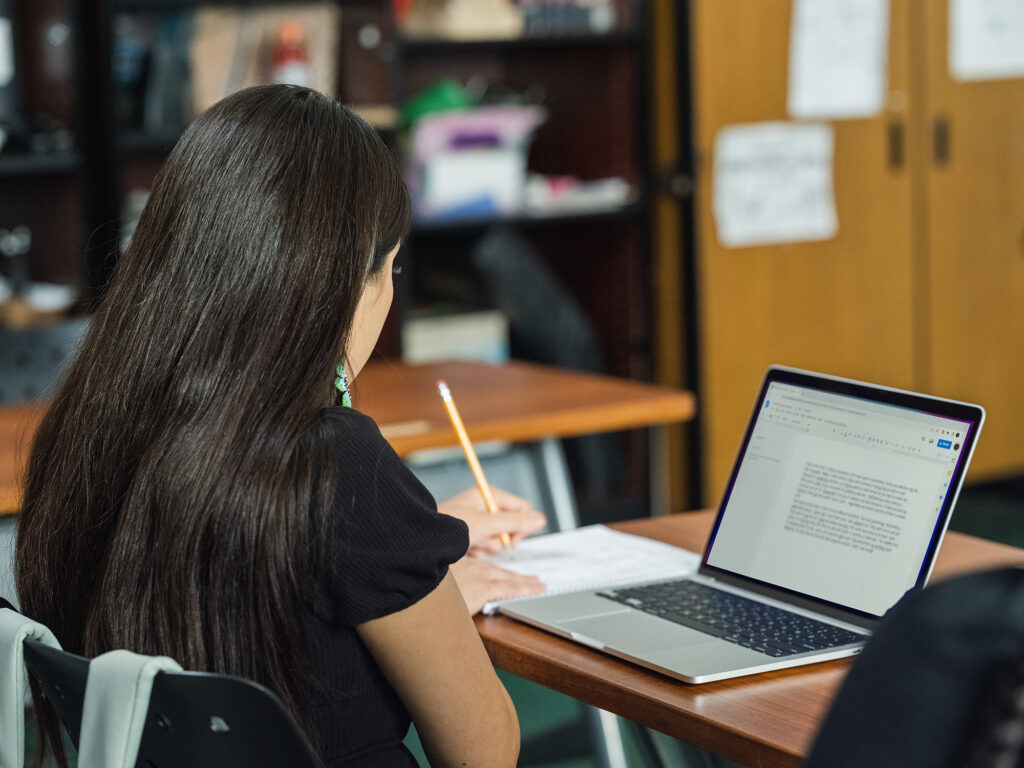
{"x":593,"y":557}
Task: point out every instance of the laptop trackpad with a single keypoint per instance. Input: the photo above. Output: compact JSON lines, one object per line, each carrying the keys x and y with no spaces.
{"x":634,"y":631}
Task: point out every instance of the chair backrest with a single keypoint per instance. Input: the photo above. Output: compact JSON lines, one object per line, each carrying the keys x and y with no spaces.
{"x":194,"y":719}
{"x":62,"y":676}
{"x":15,"y":630}
{"x":940,"y":685}
{"x":33,"y":360}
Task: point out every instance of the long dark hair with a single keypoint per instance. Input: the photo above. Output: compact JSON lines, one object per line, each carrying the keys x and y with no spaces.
{"x":177,"y":489}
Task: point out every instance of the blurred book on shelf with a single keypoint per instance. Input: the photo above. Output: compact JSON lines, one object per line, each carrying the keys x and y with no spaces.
{"x":150,"y":71}
{"x":460,"y":19}
{"x":568,"y":17}
{"x":10,"y":95}
{"x":383,"y":117}
{"x":434,"y":334}
{"x":467,"y":20}
{"x":233,"y":48}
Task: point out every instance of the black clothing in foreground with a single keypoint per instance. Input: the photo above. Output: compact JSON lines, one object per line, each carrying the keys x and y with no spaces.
{"x":390,"y":548}
{"x":918,"y":695}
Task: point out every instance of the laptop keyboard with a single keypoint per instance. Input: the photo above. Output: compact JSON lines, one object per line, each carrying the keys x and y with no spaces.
{"x":739,"y":620}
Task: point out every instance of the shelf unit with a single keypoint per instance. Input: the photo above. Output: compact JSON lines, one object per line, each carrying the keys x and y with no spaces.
{"x":596,"y":93}
{"x":422,"y":46}
{"x":439,"y":227}
{"x":56,"y":193}
{"x":581,"y":74}
{"x":22,"y":164}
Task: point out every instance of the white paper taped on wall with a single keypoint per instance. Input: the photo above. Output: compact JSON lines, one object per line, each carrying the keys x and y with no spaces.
{"x":986,"y":39}
{"x":773,"y":184}
{"x":838,"y":58}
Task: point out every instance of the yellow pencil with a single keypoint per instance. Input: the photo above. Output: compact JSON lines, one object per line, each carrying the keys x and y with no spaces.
{"x":474,"y":462}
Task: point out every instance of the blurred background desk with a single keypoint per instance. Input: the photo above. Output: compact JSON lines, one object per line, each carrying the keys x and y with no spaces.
{"x":531,"y":405}
{"x":17,"y":425}
{"x":768,"y":720}
{"x":513,"y":402}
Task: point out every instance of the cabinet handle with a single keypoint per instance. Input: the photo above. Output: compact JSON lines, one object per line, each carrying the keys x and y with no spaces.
{"x":940,"y":139}
{"x":675,"y":181}
{"x":895,"y":145}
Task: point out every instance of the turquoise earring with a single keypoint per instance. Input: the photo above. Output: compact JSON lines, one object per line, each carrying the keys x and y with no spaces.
{"x":341,"y":384}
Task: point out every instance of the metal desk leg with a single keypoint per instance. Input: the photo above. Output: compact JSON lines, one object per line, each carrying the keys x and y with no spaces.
{"x":604,"y":726}
{"x":556,"y":476}
{"x":607,"y":736}
{"x":660,"y":468}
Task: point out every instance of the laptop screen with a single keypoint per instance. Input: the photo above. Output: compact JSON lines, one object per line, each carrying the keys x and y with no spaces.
{"x":842,"y":496}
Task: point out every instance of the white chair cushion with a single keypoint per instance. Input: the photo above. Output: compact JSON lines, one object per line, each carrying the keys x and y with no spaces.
{"x":117,"y":695}
{"x":14,"y":629}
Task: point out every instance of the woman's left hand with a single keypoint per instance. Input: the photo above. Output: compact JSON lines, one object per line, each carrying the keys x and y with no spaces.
{"x":481,"y":581}
{"x":516,"y":517}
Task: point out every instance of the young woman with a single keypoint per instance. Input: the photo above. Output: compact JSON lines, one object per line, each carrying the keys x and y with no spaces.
{"x":196,"y":489}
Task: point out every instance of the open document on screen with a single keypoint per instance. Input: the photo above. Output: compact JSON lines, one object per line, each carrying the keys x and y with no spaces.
{"x":838,"y":497}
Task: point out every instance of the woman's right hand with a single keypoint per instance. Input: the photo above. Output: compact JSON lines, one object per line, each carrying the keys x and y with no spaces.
{"x":481,"y":581}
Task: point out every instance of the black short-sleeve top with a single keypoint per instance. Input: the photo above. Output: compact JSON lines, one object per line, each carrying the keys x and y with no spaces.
{"x":390,"y":547}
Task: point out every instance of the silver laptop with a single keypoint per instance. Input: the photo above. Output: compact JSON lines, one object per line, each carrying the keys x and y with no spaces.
{"x":835,"y":508}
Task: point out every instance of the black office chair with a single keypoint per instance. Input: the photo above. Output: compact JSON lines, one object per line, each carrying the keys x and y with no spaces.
{"x":940,"y":685}
{"x":195,"y":719}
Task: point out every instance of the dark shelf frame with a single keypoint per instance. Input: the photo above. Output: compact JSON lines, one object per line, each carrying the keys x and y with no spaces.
{"x":92,"y":22}
{"x":691,"y":318}
{"x":59,"y":162}
{"x":160,"y":6}
{"x":442,"y":227}
{"x":140,"y":142}
{"x":412,"y":46}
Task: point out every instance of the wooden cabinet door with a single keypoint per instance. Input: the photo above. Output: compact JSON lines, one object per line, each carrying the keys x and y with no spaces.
{"x":843,"y":306}
{"x":974,"y":208}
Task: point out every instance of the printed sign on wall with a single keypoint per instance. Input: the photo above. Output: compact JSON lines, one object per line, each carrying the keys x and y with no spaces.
{"x":772,"y":183}
{"x":838,"y":58}
{"x":986,"y":39}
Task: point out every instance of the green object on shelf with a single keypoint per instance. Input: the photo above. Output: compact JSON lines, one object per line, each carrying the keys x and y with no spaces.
{"x":443,"y":95}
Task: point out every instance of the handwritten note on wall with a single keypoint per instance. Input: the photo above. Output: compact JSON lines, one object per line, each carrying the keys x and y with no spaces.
{"x":838,"y":58}
{"x":773,"y":184}
{"x":986,"y":39}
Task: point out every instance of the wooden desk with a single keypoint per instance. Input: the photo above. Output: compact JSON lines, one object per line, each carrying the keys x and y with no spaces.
{"x":515,"y":401}
{"x":17,"y":425}
{"x":767,"y":720}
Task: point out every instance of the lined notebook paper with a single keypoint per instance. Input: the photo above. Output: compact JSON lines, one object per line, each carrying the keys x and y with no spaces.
{"x":593,"y":557}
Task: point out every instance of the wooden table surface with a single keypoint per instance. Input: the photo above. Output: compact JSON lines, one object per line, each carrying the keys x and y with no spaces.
{"x":17,"y":425}
{"x":514,"y":401}
{"x":767,"y":720}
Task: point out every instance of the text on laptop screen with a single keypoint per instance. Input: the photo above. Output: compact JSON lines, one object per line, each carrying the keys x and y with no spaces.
{"x":837,"y":497}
